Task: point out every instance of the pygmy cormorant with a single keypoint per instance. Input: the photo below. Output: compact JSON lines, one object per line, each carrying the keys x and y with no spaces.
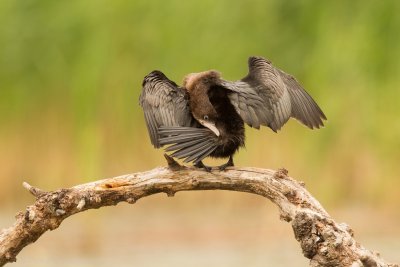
{"x":206,"y":116}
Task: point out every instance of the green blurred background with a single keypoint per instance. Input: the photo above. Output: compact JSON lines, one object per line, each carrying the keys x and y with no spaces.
{"x":70,"y":78}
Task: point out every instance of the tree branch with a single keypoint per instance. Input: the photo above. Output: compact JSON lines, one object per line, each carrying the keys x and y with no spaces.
{"x":323,"y":241}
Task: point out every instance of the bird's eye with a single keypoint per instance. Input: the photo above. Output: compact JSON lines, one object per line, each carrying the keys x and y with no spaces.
{"x":205,"y":117}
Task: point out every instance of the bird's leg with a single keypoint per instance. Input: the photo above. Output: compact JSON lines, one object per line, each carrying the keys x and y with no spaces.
{"x":228,"y":164}
{"x":200,"y":164}
{"x":172,"y":164}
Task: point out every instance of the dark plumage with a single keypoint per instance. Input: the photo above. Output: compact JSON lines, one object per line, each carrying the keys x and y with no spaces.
{"x":206,"y":116}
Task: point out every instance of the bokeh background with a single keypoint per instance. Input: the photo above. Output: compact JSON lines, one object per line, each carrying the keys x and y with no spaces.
{"x":70,"y":78}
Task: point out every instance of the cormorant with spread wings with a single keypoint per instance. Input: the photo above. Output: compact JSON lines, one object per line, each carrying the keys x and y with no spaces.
{"x":205,"y":117}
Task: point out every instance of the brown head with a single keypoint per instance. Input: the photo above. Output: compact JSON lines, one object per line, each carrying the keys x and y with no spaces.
{"x":205,"y":78}
{"x":197,"y":85}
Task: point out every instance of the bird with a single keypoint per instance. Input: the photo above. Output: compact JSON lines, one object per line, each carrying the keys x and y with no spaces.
{"x":206,"y":116}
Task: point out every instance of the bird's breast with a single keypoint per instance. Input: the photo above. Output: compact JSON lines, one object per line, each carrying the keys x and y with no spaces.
{"x":232,"y":137}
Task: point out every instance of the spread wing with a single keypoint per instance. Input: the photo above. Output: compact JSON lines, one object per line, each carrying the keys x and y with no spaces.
{"x":164,"y":104}
{"x":169,"y":120}
{"x":268,"y":96}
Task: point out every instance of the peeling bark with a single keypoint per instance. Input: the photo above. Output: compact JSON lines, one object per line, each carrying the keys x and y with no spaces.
{"x":323,"y":241}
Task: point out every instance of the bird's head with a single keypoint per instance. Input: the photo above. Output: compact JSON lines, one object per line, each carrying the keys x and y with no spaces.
{"x":198,"y":84}
{"x":205,"y":78}
{"x":206,"y":115}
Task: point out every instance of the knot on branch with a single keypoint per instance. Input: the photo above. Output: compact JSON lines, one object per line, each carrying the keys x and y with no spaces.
{"x":324,"y":242}
{"x":306,"y":233}
{"x":281,"y":173}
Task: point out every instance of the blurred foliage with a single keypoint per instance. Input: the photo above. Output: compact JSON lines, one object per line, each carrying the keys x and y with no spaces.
{"x":71,"y":72}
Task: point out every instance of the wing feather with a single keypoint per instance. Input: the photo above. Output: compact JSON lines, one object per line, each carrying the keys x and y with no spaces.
{"x":164,"y":104}
{"x":268,"y":96}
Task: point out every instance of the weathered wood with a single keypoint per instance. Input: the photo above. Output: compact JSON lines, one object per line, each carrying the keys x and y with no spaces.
{"x":323,"y":241}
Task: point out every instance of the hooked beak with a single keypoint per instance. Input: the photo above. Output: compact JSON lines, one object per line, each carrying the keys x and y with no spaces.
{"x":210,"y":126}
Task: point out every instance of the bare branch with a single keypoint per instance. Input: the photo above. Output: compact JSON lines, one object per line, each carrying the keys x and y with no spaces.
{"x":323,"y":241}
{"x":33,"y":190}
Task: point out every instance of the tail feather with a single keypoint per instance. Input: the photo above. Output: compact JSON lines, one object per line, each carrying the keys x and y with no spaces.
{"x":188,"y":143}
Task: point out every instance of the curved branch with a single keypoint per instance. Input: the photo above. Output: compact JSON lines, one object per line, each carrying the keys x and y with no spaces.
{"x":323,"y":241}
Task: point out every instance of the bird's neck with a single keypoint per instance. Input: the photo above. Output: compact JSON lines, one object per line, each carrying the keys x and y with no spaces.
{"x":198,"y":96}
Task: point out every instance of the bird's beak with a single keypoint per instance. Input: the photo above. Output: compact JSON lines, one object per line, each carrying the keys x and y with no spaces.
{"x":210,"y":126}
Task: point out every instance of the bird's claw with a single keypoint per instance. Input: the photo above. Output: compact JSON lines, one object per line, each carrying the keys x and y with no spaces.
{"x":207,"y":168}
{"x":222,"y":167}
{"x":201,"y":165}
{"x":226,"y":165}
